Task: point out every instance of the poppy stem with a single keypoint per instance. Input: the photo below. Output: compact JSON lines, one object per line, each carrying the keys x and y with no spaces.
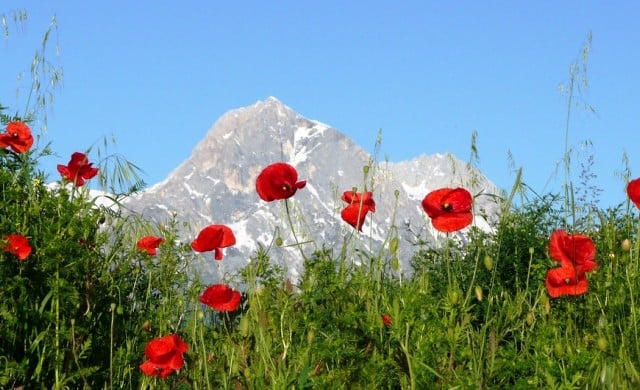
{"x":293,"y":230}
{"x":447,"y":259}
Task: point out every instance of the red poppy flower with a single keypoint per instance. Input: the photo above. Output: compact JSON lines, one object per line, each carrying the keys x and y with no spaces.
{"x":213,"y":238}
{"x":278,"y":181}
{"x":18,"y":137}
{"x":221,"y":297}
{"x":386,"y":320}
{"x":78,"y":170}
{"x":574,"y":249}
{"x":18,"y":245}
{"x":150,"y":244}
{"x":359,"y":205}
{"x":165,"y":356}
{"x":576,"y":254}
{"x":449,"y":209}
{"x":633,"y":190}
{"x":566,"y":280}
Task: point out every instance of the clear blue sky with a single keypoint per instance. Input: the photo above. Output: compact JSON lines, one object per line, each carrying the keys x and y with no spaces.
{"x":156,"y":75}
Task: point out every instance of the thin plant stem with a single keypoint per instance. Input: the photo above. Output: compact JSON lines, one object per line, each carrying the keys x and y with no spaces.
{"x":113,"y":315}
{"x":293,"y":230}
{"x":58,"y":385}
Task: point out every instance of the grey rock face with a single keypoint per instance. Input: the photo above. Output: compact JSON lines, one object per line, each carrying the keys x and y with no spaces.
{"x":217,"y":185}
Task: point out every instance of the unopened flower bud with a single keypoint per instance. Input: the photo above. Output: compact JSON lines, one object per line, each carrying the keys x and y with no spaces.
{"x":478,"y":292}
{"x":243,"y":327}
{"x":626,"y":245}
{"x":454,"y":297}
{"x":530,"y":318}
{"x":395,"y":263}
{"x":602,"y":344}
{"x":488,"y":262}
{"x":558,"y":350}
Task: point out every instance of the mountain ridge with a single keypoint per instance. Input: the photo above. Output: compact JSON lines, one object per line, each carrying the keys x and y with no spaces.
{"x":216,"y":184}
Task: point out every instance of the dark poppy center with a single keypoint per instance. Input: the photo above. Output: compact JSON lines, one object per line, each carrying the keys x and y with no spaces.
{"x":286,"y":188}
{"x":447,"y":207}
{"x":567,"y":281}
{"x":14,"y":135}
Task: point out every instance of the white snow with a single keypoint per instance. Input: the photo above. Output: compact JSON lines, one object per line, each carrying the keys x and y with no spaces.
{"x":215,"y":181}
{"x":191,"y":191}
{"x":417,"y":192}
{"x":300,"y":150}
{"x":243,"y":238}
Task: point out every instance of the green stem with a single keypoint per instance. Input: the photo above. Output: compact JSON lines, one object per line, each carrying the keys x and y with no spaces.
{"x":204,"y":357}
{"x":405,"y":348}
{"x":293,"y":230}
{"x":56,"y":294}
{"x":113,"y":315}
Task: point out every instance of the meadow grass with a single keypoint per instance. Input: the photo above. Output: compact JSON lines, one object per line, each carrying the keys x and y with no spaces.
{"x":473,"y":313}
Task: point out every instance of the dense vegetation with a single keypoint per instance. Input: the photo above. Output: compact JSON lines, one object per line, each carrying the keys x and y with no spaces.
{"x":86,"y":300}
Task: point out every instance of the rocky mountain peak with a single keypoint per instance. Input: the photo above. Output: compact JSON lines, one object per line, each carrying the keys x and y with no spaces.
{"x":217,"y":185}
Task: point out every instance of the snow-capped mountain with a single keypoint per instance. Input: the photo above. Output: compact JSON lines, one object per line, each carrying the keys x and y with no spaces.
{"x":216,"y":185}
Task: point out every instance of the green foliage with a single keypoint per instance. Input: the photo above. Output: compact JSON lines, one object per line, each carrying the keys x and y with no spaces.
{"x":472,"y":313}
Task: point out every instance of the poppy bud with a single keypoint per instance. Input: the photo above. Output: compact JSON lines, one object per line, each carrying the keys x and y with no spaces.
{"x":395,"y":263}
{"x":243,"y":327}
{"x":488,"y":262}
{"x":626,"y":245}
{"x":547,"y":307}
{"x":263,"y":319}
{"x":602,"y":344}
{"x":393,"y":245}
{"x":558,"y":350}
{"x":454,"y":297}
{"x":365,"y":169}
{"x":146,"y":326}
{"x":530,"y":318}
{"x":234,"y":367}
{"x":310,"y":336}
{"x":478,"y":292}
{"x":278,"y":241}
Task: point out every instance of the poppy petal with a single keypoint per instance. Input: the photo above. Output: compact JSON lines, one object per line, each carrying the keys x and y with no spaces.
{"x":633,"y":191}
{"x":354,"y":216}
{"x":149,"y":244}
{"x":452,"y":223}
{"x":18,"y":245}
{"x":576,"y":249}
{"x":278,"y":181}
{"x":565,"y":280}
{"x":18,"y":137}
{"x":449,"y":208}
{"x":150,"y":369}
{"x":220,"y":297}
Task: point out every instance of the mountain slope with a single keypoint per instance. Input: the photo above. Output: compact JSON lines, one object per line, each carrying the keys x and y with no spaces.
{"x":217,"y":185}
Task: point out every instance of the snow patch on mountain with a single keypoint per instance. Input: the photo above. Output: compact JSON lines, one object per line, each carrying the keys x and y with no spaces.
{"x":417,"y":192}
{"x":217,"y":185}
